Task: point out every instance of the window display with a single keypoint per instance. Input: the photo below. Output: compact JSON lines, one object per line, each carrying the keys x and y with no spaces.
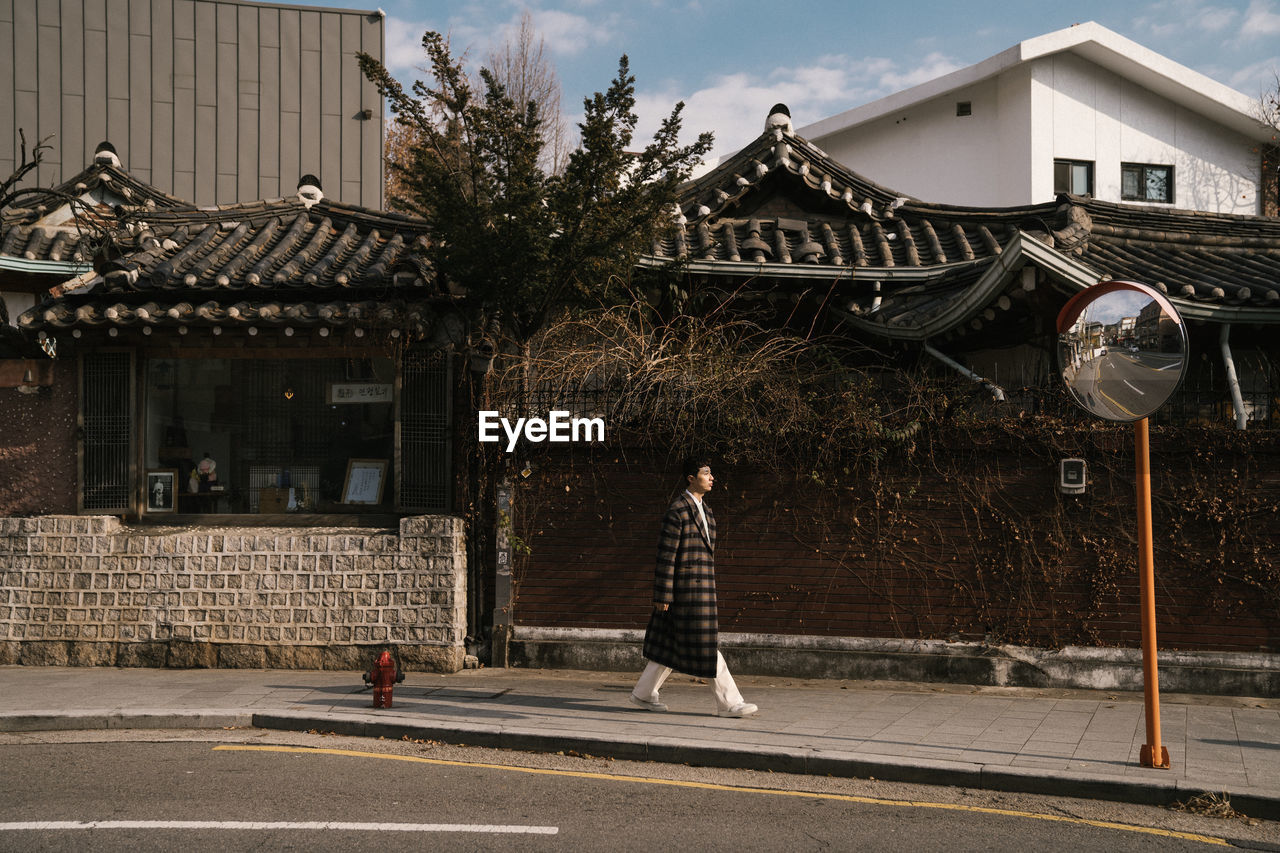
{"x":268,"y":435}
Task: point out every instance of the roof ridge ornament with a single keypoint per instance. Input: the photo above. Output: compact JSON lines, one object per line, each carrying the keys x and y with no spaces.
{"x":106,"y":153}
{"x":309,"y":191}
{"x":779,"y":121}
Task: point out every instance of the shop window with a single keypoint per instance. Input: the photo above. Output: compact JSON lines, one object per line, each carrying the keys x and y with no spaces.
{"x":1073,"y":176}
{"x":1142,"y":182}
{"x":267,"y":436}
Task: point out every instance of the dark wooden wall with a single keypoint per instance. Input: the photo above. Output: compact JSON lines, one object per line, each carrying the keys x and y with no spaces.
{"x":38,"y":446}
{"x":919,"y":556}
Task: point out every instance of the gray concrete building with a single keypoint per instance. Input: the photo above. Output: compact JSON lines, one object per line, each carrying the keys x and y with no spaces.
{"x":213,"y":101}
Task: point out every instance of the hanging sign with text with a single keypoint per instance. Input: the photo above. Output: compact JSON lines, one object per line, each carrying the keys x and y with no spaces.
{"x":359,"y":392}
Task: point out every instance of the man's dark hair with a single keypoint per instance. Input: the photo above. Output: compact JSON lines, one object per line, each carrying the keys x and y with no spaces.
{"x":693,"y":464}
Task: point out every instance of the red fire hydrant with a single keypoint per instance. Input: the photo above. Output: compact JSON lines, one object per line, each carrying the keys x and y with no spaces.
{"x":383,"y":676}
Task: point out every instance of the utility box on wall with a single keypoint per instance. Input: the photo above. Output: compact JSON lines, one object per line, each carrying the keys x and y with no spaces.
{"x":1073,"y":476}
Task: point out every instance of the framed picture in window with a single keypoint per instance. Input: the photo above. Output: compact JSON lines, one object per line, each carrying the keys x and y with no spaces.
{"x":162,"y":490}
{"x":365,"y":481}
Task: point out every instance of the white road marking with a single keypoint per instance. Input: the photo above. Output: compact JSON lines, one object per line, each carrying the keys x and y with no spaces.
{"x":1170,"y":366}
{"x":1134,"y":387}
{"x":45,"y":825}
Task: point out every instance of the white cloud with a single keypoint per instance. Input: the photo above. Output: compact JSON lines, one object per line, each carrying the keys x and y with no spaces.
{"x":932,"y":66}
{"x":563,"y":33}
{"x":403,"y":53}
{"x":734,"y":106}
{"x":568,"y":34}
{"x":478,"y":30}
{"x":1174,"y":18}
{"x":1257,"y":77}
{"x":1260,"y":20}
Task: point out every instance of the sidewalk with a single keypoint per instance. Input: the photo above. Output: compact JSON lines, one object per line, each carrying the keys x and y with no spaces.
{"x":1064,"y":742}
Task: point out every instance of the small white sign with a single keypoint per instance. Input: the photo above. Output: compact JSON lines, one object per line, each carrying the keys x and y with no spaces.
{"x":365,"y":478}
{"x":360,"y":392}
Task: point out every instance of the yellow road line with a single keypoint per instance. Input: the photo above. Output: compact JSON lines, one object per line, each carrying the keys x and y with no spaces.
{"x":708,"y":786}
{"x":1113,"y":402}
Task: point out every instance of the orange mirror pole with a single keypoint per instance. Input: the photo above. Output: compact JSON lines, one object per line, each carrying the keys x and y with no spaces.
{"x":1153,"y":753}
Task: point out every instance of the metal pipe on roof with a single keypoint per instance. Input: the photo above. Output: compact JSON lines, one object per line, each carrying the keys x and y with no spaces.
{"x":1233,"y":381}
{"x":996,"y":390}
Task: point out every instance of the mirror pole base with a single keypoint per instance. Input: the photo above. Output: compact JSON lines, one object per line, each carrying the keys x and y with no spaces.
{"x":1147,"y":755}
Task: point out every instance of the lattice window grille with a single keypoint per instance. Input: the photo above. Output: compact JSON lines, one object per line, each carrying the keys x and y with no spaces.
{"x":425,"y":416}
{"x":108,"y":431}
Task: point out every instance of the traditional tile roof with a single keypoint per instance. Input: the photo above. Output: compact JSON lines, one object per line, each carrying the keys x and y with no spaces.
{"x":242,"y":313}
{"x":285,"y":243}
{"x":1205,"y":257}
{"x":783,"y":213}
{"x":46,"y":227}
{"x":299,"y":261}
{"x":775,"y":150}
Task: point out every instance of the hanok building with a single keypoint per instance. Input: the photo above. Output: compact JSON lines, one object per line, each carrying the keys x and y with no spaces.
{"x":981,"y":285}
{"x":889,"y":564}
{"x":272,"y":338}
{"x":273,"y":376}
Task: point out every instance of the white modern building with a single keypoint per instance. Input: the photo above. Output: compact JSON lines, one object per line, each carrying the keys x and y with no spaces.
{"x":1081,"y":110}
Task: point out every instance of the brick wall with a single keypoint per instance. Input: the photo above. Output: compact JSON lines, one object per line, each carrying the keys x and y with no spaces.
{"x":915,"y":559}
{"x":86,"y":590}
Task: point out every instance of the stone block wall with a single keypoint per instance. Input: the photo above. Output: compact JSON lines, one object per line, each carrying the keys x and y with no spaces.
{"x":87,"y":590}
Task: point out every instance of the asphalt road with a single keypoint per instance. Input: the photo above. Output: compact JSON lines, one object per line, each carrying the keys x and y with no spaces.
{"x":277,"y":791}
{"x":1124,"y":385}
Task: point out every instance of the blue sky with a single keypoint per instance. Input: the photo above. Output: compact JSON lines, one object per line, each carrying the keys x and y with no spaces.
{"x":730,"y":60}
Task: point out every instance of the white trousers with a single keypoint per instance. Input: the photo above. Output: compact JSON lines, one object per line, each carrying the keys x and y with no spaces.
{"x":724,"y":688}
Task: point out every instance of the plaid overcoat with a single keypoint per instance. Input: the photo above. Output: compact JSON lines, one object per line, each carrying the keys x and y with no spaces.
{"x":686,"y":636}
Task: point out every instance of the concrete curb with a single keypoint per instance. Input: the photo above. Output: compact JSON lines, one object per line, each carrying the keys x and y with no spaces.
{"x":926,"y":661}
{"x":1253,"y":801}
{"x":46,"y":721}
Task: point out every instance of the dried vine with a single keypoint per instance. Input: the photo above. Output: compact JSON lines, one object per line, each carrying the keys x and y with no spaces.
{"x":913,"y":492}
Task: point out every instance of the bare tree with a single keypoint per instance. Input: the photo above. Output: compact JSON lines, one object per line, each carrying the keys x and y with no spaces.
{"x":9,"y":191}
{"x":522,"y":67}
{"x":398,"y":147}
{"x":525,"y":72}
{"x":20,"y":204}
{"x":1268,"y":113}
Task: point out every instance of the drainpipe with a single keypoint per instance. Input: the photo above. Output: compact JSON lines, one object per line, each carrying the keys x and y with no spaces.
{"x":996,"y":390}
{"x":1233,"y":382}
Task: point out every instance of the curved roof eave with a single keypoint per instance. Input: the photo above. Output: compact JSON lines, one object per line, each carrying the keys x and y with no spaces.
{"x":777,"y":150}
{"x":775,"y":270}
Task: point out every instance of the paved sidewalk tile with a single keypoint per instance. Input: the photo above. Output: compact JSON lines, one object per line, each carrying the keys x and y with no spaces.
{"x":1215,"y":743}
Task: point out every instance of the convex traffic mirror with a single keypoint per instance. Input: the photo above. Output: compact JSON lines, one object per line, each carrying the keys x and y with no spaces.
{"x":1122,"y":349}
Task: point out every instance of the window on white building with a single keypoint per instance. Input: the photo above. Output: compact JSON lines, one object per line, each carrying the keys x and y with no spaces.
{"x":1144,"y":182}
{"x":1073,"y":176}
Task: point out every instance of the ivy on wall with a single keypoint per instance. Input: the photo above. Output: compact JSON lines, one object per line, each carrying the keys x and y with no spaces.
{"x":912,"y":491}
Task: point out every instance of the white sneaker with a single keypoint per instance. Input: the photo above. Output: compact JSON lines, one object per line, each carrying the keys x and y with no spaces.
{"x":646,"y":704}
{"x":742,"y":709}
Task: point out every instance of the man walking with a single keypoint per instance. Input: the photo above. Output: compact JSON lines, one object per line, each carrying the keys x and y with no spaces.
{"x":683,"y":631}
